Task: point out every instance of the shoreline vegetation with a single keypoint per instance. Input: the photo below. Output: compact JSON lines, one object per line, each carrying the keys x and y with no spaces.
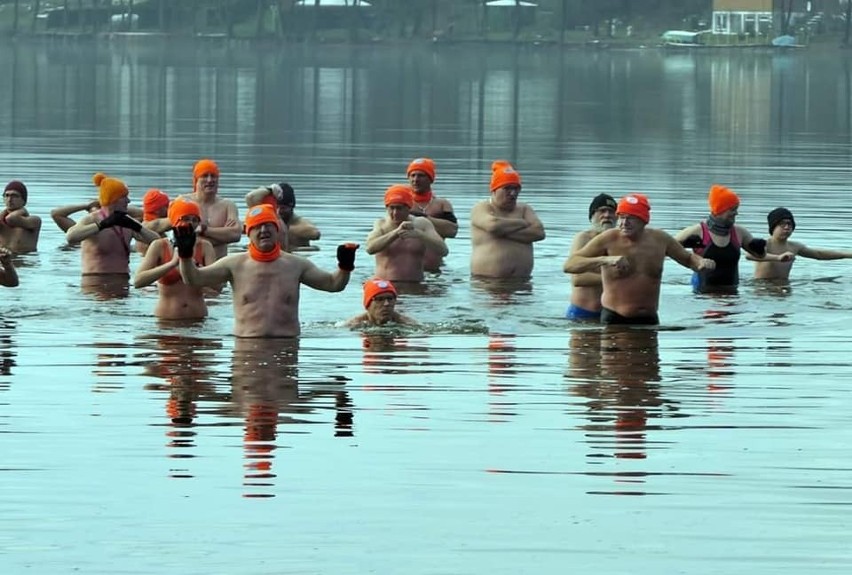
{"x":603,"y":24}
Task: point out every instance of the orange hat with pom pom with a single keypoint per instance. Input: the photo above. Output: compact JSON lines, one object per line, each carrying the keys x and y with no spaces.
{"x":503,"y":174}
{"x":399,"y":194}
{"x":109,"y":189}
{"x":721,"y":199}
{"x":180,"y":208}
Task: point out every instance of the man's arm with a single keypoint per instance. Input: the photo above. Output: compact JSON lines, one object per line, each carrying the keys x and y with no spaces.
{"x":534,"y":231}
{"x":592,"y":257}
{"x":230,"y":232}
{"x":482,"y":218}
{"x":159,"y":225}
{"x":61,"y":214}
{"x":693,"y":230}
{"x":303,"y":228}
{"x":257,"y":195}
{"x":319,"y":279}
{"x":150,"y":270}
{"x":824,"y":254}
{"x":446,"y":223}
{"x":8,"y":275}
{"x":431,"y":239}
{"x":213,"y":275}
{"x":685,"y":258}
{"x":587,"y":279}
{"x":22,"y":219}
{"x":85,"y":228}
{"x":379,"y":240}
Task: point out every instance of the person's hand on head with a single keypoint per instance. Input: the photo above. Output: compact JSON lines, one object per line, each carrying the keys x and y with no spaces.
{"x":346,"y":256}
{"x":184,"y":239}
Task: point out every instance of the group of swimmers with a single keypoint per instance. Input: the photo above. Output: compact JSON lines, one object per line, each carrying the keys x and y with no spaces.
{"x":616,"y":265}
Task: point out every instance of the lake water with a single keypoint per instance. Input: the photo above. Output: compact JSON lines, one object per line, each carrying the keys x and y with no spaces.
{"x":500,"y":438}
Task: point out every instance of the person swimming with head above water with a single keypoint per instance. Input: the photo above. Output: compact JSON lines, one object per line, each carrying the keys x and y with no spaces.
{"x":630,"y":258}
{"x":380,"y":299}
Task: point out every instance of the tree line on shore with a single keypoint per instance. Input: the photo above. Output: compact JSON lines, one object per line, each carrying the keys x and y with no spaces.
{"x":366,"y":19}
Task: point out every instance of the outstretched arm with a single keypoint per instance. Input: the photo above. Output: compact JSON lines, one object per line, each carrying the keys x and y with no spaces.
{"x":687,"y":259}
{"x":824,"y":254}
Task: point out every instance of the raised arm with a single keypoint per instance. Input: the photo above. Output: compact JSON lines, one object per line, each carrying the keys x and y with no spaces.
{"x":586,"y":279}
{"x":213,"y":275}
{"x":316,"y":278}
{"x":85,"y":228}
{"x":257,"y":195}
{"x":61,"y":215}
{"x":150,"y":269}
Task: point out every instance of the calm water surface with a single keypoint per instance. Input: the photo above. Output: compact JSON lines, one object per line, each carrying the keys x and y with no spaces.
{"x":499,"y":438}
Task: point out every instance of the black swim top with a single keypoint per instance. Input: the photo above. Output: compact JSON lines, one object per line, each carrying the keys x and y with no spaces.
{"x":727,"y":272}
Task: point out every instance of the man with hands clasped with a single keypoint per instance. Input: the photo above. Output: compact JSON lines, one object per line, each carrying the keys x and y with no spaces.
{"x":265,"y":279}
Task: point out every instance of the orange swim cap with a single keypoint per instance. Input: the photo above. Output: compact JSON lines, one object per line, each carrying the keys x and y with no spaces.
{"x":399,"y":194}
{"x":374,"y":287}
{"x":721,"y":199}
{"x":503,"y":174}
{"x":181,"y":207}
{"x":424,"y":165}
{"x":109,"y":189}
{"x":153,"y":201}
{"x":635,"y":205}
{"x":261,"y":214}
{"x":202,"y":168}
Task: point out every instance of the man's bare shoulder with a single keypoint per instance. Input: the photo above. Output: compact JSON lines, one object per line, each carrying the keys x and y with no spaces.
{"x":444,"y":204}
{"x":585,"y":236}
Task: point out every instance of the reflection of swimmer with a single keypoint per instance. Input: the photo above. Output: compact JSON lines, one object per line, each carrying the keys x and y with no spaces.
{"x":380,"y":298}
{"x":620,"y":384}
{"x":720,"y":353}
{"x":184,"y":364}
{"x":502,"y":354}
{"x":264,"y":383}
{"x":503,"y":291}
{"x":7,"y":350}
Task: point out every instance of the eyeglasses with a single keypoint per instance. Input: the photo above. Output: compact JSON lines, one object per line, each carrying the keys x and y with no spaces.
{"x":382,"y":299}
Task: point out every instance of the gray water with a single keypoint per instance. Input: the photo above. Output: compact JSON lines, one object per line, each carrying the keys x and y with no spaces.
{"x":500,"y":438}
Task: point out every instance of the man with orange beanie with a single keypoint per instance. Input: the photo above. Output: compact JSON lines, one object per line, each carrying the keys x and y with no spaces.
{"x":177,"y":300}
{"x":503,"y":230}
{"x":18,"y":229}
{"x":265,"y":279}
{"x":380,"y":299}
{"x":439,"y":211}
{"x":720,"y":239}
{"x":155,"y":207}
{"x":400,"y":241}
{"x":220,"y":219}
{"x":630,"y":258}
{"x":104,"y":235}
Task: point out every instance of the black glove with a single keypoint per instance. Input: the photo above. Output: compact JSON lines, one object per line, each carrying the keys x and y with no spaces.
{"x":126,"y":221}
{"x":757,"y":247}
{"x":184,"y":241}
{"x":692,"y":242}
{"x":109,"y":221}
{"x":346,"y":256}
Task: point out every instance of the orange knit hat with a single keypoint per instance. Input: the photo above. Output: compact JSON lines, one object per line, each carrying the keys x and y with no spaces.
{"x":153,"y":201}
{"x":109,"y":189}
{"x":374,"y":287}
{"x":180,"y":208}
{"x":503,"y":174}
{"x":202,"y":168}
{"x":635,"y":205}
{"x":261,"y":214}
{"x":424,"y":165}
{"x":722,"y":199}
{"x":399,"y":194}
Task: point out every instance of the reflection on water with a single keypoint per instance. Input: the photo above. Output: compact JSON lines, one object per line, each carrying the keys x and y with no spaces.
{"x":621,"y":370}
{"x":733,"y":413}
